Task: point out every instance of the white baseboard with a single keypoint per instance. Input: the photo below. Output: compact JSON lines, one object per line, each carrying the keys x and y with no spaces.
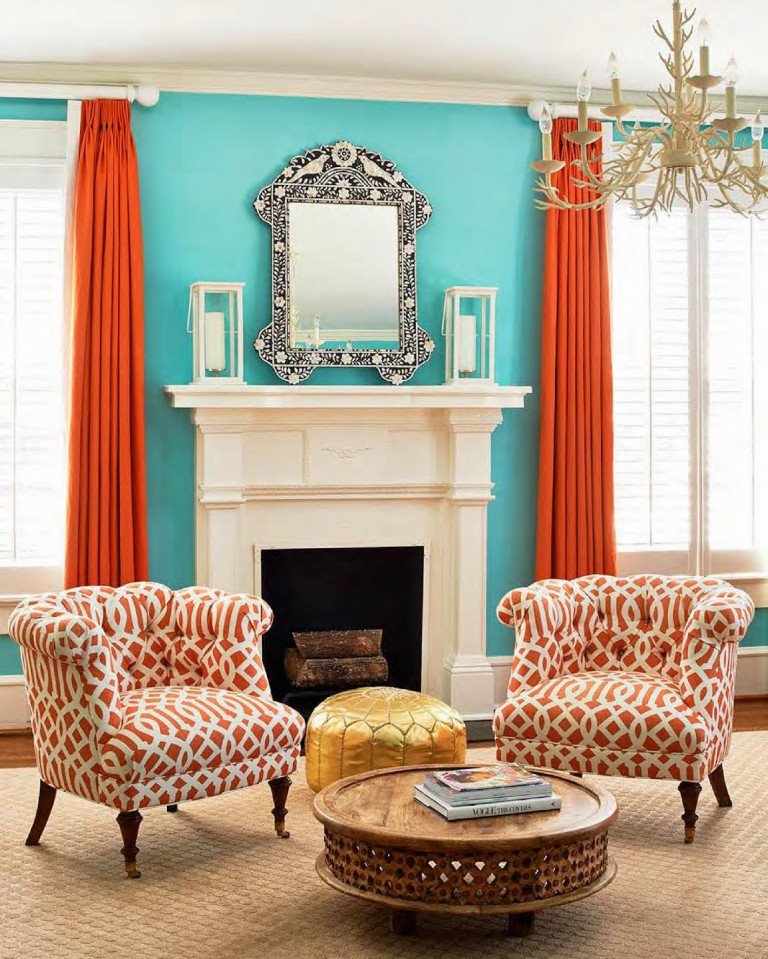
{"x":14,"y":712}
{"x":751,"y":673}
{"x":751,"y":680}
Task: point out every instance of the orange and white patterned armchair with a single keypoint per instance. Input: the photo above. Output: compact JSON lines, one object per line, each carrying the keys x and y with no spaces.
{"x":625,"y":677}
{"x":141,"y":696}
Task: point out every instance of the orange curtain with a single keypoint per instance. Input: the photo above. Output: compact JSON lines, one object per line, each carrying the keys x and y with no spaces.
{"x":106,"y":501}
{"x":575,"y":533}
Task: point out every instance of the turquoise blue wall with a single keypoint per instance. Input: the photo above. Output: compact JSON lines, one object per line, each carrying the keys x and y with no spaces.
{"x":202,"y":160}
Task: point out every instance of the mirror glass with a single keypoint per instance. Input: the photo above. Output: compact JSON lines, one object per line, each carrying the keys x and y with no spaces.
{"x":343,"y":276}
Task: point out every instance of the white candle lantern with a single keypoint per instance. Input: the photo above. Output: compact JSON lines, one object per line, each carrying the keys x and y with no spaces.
{"x":469,"y":326}
{"x":215,"y":319}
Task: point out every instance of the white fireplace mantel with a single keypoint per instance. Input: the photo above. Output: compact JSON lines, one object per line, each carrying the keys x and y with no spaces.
{"x":280,"y":467}
{"x":227,"y":396}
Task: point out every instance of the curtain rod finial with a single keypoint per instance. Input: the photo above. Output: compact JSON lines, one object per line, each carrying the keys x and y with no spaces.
{"x":535,"y":108}
{"x":144,"y":94}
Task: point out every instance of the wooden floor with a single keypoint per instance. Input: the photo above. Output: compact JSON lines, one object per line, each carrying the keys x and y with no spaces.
{"x":16,"y":748}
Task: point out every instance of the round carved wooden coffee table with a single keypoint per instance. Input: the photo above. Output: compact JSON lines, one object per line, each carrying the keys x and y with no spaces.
{"x":384,"y":847}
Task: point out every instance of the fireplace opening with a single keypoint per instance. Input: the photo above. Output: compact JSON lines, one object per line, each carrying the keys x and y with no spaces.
{"x":377,"y":591}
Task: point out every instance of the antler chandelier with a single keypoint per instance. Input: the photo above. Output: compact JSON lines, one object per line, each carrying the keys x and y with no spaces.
{"x":691,"y":157}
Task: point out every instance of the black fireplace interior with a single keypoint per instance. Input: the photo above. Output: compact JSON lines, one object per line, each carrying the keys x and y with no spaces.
{"x":348,"y":588}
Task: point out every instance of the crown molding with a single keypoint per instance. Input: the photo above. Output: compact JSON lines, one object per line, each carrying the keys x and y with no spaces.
{"x":197,"y":80}
{"x":200,"y":80}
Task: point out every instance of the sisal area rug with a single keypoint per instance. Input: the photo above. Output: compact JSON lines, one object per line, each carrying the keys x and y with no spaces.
{"x":218,"y":883}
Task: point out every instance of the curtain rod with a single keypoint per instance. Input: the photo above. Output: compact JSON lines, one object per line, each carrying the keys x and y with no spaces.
{"x":571,"y":110}
{"x":145,"y":95}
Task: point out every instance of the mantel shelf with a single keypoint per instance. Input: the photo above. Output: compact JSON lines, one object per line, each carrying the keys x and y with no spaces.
{"x":483,"y":396}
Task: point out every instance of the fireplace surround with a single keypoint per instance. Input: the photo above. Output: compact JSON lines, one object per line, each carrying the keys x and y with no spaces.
{"x":309,"y":467}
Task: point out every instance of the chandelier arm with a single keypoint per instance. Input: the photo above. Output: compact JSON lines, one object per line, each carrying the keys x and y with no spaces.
{"x":709,"y":163}
{"x":645,"y":208}
{"x":730,"y":201}
{"x":743,"y":179}
{"x":615,"y":172}
{"x":661,"y":33}
{"x":668,"y":62}
{"x":555,"y":200}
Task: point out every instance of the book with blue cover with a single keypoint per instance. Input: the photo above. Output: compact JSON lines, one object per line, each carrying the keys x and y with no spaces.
{"x":487,"y":809}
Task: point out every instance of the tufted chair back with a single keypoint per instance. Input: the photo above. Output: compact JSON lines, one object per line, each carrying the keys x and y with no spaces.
{"x":156,"y":637}
{"x":638,"y":622}
{"x":622,"y":623}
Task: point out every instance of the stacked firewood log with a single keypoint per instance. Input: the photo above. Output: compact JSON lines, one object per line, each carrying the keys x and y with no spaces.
{"x":336,"y":659}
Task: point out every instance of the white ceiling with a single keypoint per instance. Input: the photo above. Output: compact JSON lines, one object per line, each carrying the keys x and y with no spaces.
{"x":535,"y":42}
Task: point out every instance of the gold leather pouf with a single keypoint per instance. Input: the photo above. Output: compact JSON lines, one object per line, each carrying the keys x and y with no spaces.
{"x":376,"y":727}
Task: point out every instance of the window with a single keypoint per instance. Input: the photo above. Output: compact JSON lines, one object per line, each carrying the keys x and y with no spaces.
{"x":690,"y":339}
{"x":32,"y":445}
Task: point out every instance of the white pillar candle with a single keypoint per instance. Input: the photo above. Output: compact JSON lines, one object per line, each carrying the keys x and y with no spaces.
{"x":215,"y":354}
{"x":466,"y":343}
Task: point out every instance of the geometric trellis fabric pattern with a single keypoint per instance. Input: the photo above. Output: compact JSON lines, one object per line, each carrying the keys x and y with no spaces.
{"x":140,"y":695}
{"x":630,"y":676}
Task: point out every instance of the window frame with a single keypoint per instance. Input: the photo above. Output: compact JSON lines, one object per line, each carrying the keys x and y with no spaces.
{"x":699,"y":560}
{"x":31,"y":148}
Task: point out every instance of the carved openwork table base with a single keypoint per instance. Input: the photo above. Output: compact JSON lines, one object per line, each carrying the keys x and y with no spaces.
{"x":382,"y":846}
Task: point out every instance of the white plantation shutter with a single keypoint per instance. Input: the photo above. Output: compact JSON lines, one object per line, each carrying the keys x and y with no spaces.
{"x":738,"y":316}
{"x":32,"y":455}
{"x":690,"y":343}
{"x":650,"y":372}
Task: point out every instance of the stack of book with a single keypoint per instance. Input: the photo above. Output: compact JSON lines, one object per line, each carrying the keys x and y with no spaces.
{"x":503,"y":789}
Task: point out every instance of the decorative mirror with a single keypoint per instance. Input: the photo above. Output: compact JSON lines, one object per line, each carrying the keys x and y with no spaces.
{"x":344,"y":224}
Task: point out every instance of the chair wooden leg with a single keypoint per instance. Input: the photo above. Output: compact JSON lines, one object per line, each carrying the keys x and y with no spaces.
{"x":129,"y":823}
{"x":520,"y":924}
{"x":280,"y":789}
{"x":717,"y":782}
{"x":403,"y":922}
{"x":172,"y":808}
{"x":689,"y":793}
{"x":44,"y":806}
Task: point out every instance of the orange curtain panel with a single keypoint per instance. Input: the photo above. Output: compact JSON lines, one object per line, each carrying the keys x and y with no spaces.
{"x":575,"y":532}
{"x":106,"y":501}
